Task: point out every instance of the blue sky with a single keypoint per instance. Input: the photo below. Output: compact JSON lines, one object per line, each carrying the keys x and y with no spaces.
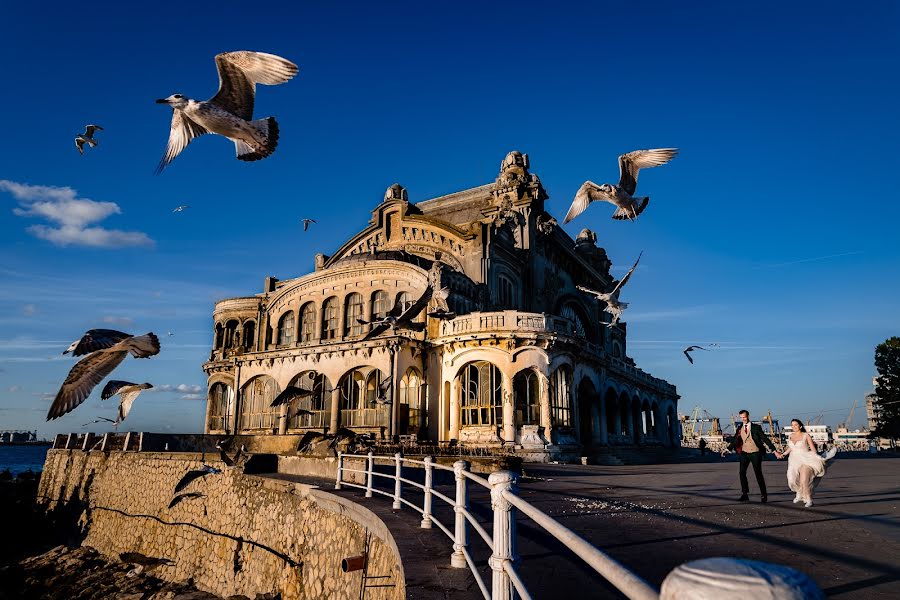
{"x":773,"y":233}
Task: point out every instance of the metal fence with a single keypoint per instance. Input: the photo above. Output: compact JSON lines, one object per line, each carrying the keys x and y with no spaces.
{"x":505,"y":582}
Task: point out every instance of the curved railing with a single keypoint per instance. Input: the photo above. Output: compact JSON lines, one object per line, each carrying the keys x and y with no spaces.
{"x":505,"y":580}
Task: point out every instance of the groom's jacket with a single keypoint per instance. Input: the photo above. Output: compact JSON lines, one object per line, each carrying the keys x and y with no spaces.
{"x":759,"y":438}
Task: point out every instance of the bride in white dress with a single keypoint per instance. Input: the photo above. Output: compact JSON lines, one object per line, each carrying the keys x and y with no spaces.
{"x":805,"y":467}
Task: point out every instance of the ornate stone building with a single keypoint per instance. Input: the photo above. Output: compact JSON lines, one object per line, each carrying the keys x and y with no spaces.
{"x":527,"y":362}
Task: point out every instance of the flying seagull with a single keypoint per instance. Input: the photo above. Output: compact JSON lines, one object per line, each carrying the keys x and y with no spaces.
{"x":442,"y":311}
{"x":230,"y":111}
{"x":306,"y":223}
{"x":185,"y":496}
{"x":181,"y":208}
{"x":613,"y":306}
{"x":195,"y":474}
{"x":128,"y":392}
{"x":95,"y":367}
{"x":87,"y":138}
{"x":147,"y":562}
{"x":290,"y":393}
{"x":383,"y":388}
{"x":300,"y":412}
{"x":398,"y":318}
{"x":687,"y":352}
{"x":96,"y":339}
{"x":240,"y":457}
{"x":622,"y":195}
{"x":98,"y":420}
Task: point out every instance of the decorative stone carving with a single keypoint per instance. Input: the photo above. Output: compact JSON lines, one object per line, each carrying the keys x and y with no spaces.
{"x":513,"y":170}
{"x":586,"y":238}
{"x":396,"y":192}
{"x":546,"y":224}
{"x":532,"y":437}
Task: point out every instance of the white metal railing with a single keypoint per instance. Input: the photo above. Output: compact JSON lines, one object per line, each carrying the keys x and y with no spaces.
{"x":506,"y":582}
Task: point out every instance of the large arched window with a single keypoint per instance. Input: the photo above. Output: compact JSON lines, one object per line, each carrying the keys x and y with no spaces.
{"x":256,"y":400}
{"x":231,"y":340}
{"x":410,"y":409}
{"x":249,"y":334}
{"x":221,"y":407}
{"x":507,"y":293}
{"x":314,"y":407}
{"x":570,"y":312}
{"x":527,"y":393}
{"x":560,"y":397}
{"x":330,"y":319}
{"x":286,"y":329}
{"x":353,"y":310}
{"x":405,"y":301}
{"x":481,"y":387}
{"x":380,"y":304}
{"x":359,"y":389}
{"x":308,"y":322}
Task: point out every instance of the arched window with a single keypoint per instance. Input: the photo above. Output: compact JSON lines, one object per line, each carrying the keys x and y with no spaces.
{"x":404,"y":300}
{"x":527,"y":393}
{"x":380,"y":304}
{"x":507,"y":293}
{"x":286,"y":329}
{"x":308,"y":322}
{"x":221,"y":407}
{"x":256,"y":400}
{"x":220,"y":336}
{"x":249,"y":335}
{"x":560,"y":399}
{"x":573,"y":314}
{"x":330,"y":319}
{"x":482,"y":394}
{"x":353,"y":310}
{"x":314,"y":407}
{"x":230,"y":340}
{"x":359,"y":389}
{"x":616,"y":350}
{"x":410,"y":409}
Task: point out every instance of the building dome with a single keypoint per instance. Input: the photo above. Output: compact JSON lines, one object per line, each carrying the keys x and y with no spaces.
{"x":396,"y":192}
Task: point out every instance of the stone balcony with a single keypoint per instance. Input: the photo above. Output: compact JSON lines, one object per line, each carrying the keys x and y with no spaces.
{"x":507,"y":321}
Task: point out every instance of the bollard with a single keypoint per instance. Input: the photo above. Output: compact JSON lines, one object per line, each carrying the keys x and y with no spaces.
{"x":504,"y":534}
{"x":426,"y":507}
{"x":396,"y":505}
{"x":340,"y":466}
{"x":734,"y":578}
{"x":370,"y":467}
{"x":461,"y":541}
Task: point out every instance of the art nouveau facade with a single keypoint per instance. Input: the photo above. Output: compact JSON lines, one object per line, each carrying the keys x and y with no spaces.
{"x":526,"y":363}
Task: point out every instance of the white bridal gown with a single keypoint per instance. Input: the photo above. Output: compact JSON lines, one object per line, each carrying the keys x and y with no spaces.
{"x":805,"y":469}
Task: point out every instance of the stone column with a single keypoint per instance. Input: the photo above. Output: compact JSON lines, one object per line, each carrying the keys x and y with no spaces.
{"x":320,"y":321}
{"x":367,"y":308}
{"x":619,"y":421}
{"x":454,"y":409}
{"x":283,"y":421}
{"x":335,"y":410}
{"x":545,"y":406}
{"x":603,"y":434}
{"x":509,"y":410}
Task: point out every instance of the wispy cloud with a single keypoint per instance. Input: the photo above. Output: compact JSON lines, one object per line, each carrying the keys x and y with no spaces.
{"x":71,"y":217}
{"x":182,"y":388}
{"x":13,"y":389}
{"x":807,"y":260}
{"x":114,"y":320}
{"x":669,"y":313}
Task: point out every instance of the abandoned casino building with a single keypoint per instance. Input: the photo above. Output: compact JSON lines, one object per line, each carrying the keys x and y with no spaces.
{"x":516,"y":358}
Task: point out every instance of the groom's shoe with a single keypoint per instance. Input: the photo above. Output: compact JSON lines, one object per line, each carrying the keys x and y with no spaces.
{"x":763,"y":499}
{"x":744,"y":498}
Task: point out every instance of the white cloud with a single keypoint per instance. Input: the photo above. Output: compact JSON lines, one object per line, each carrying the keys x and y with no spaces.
{"x":13,"y":389}
{"x":29,"y":310}
{"x":71,"y":216}
{"x":114,"y":320}
{"x":193,"y":397}
{"x":182,"y":388}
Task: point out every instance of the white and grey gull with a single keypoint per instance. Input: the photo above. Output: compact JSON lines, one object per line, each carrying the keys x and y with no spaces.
{"x":87,"y":138}
{"x":613,"y":306}
{"x":230,"y":112}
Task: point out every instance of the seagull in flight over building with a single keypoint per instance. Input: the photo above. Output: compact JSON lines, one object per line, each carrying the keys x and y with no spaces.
{"x":185,"y":496}
{"x":687,"y":352}
{"x":195,"y":474}
{"x":181,"y":208}
{"x":230,"y":111}
{"x":87,"y":138}
{"x":383,"y":388}
{"x":613,"y":306}
{"x":96,"y":339}
{"x":98,"y":420}
{"x":95,"y":367}
{"x":398,"y":318}
{"x":306,"y":223}
{"x":127,"y":393}
{"x":622,"y":195}
{"x":290,"y":393}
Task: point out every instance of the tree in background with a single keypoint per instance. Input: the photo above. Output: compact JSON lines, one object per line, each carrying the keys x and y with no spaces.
{"x":887,"y":392}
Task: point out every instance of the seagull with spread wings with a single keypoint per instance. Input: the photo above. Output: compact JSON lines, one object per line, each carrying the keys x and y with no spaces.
{"x":87,"y":138}
{"x":181,"y":208}
{"x":383,"y":388}
{"x":622,"y":195}
{"x":687,"y":352}
{"x":230,"y":111}
{"x":195,"y":474}
{"x":289,"y":394}
{"x":398,"y":318}
{"x":613,"y":306}
{"x":96,"y":366}
{"x":127,"y":393}
{"x":96,"y":339}
{"x":306,"y":223}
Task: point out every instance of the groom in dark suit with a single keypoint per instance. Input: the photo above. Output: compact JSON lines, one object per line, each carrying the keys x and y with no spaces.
{"x":750,"y":443}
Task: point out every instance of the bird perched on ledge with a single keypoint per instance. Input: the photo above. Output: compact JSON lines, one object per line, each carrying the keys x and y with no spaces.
{"x":230,"y":111}
{"x":622,"y":195}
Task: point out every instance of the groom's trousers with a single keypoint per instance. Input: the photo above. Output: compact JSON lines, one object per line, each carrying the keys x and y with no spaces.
{"x":755,"y":459}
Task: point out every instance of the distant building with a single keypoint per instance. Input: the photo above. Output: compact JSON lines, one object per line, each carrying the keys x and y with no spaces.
{"x":525,"y":360}
{"x":819,"y":433}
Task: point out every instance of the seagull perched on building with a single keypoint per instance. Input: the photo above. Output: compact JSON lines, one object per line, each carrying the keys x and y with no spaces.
{"x":95,"y":367}
{"x":230,"y":111}
{"x":181,"y":208}
{"x":87,"y":138}
{"x":128,"y":392}
{"x":622,"y":195}
{"x":306,"y":223}
{"x":613,"y":306}
{"x":96,"y":339}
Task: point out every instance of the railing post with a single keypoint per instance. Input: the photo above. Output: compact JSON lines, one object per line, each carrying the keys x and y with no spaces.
{"x":426,"y":506}
{"x":399,"y":472}
{"x":340,"y":467}
{"x":127,"y":441}
{"x":504,"y":534}
{"x":461,"y":539}
{"x":370,"y":468}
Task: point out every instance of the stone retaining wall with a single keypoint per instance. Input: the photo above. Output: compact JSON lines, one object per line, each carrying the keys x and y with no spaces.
{"x":248,"y":535}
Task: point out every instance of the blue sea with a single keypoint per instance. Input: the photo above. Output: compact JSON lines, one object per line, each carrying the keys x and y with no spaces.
{"x":21,"y":458}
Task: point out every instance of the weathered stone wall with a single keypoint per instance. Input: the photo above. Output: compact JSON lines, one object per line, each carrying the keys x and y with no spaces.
{"x":246,"y":535}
